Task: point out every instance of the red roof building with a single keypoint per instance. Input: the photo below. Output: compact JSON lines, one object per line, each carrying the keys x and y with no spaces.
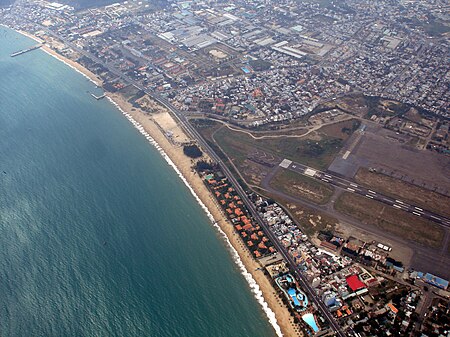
{"x":355,"y":283}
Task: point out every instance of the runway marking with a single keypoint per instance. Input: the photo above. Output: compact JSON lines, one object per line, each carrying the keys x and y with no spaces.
{"x":370,"y":191}
{"x":285,"y":163}
{"x":435,"y":217}
{"x":350,"y":189}
{"x":310,"y":172}
{"x":397,"y":206}
{"x":328,"y":176}
{"x":346,"y":154}
{"x":399,"y":201}
{"x":326,"y":180}
{"x":415,"y":213}
{"x":369,"y":196}
{"x":354,"y":185}
{"x":418,"y":208}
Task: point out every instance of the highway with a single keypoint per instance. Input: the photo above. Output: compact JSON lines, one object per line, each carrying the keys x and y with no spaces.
{"x":193,"y":133}
{"x":299,"y":275}
{"x":251,"y":207}
{"x":352,"y":187}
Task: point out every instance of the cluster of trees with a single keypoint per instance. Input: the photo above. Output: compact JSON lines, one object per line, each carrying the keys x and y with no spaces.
{"x":192,"y":151}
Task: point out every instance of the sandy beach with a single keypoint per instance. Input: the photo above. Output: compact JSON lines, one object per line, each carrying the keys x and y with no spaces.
{"x":184,"y":164}
{"x":156,"y":125}
{"x":46,"y":48}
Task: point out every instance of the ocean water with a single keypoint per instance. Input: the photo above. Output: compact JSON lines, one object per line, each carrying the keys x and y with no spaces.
{"x":98,"y":234}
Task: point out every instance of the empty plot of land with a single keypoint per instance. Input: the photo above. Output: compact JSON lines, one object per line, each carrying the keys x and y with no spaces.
{"x":381,"y":151}
{"x":168,"y":124}
{"x":311,"y":221}
{"x":313,"y":150}
{"x":300,"y":186}
{"x":399,"y":189}
{"x":393,"y":221}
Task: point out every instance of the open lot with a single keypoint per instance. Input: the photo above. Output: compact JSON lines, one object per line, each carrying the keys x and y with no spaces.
{"x":316,"y":149}
{"x":311,"y":221}
{"x":393,"y":221}
{"x":300,"y":186}
{"x":408,"y":192}
{"x":389,"y":153}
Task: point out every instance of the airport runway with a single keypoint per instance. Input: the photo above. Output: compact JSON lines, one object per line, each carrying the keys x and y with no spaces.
{"x":352,"y":187}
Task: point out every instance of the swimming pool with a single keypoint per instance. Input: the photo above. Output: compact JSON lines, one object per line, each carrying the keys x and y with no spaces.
{"x":310,"y":320}
{"x":294,"y":297}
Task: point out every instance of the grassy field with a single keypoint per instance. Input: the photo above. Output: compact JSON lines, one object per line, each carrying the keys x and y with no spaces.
{"x":391,"y":220}
{"x":399,"y":189}
{"x":318,"y":153}
{"x":299,"y":186}
{"x":207,"y":128}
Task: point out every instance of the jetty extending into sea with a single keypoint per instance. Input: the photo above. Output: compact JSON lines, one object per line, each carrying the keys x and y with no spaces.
{"x":20,"y":52}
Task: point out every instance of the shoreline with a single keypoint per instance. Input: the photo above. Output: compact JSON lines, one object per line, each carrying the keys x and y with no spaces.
{"x":276,"y":312}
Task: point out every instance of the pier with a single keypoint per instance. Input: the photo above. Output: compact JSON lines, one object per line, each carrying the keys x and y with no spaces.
{"x":20,"y":52}
{"x":98,"y":97}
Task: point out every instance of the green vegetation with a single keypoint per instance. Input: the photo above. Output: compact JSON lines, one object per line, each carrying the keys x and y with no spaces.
{"x":391,"y":220}
{"x":316,"y":153}
{"x":192,"y":151}
{"x":300,"y":186}
{"x":350,"y":129}
{"x":382,"y":108}
{"x":207,"y":128}
{"x":259,"y":65}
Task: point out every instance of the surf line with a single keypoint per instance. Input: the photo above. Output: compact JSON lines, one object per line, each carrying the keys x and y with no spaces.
{"x":254,"y":287}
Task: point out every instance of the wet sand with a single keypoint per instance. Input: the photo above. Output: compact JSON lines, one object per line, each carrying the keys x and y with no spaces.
{"x":184,"y":164}
{"x":165,"y":123}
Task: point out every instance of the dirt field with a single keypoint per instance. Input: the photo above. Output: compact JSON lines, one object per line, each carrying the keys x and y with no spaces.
{"x":314,"y":150}
{"x":393,"y":221}
{"x":309,"y":220}
{"x":380,"y":150}
{"x":299,"y":186}
{"x":396,"y":188}
{"x":391,"y":154}
{"x":341,"y":130}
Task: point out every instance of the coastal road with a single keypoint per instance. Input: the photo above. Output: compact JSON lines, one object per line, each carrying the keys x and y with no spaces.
{"x":352,"y":187}
{"x":251,"y":207}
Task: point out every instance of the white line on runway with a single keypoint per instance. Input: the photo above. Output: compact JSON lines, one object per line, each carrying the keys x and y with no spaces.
{"x":370,"y":191}
{"x":350,"y":189}
{"x":415,"y":213}
{"x":419,"y":209}
{"x":399,"y":201}
{"x":396,"y":206}
{"x":369,"y":196}
{"x":354,"y":185}
{"x":435,"y":217}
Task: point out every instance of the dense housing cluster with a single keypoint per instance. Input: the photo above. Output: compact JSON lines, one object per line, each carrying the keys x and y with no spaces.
{"x":255,"y":63}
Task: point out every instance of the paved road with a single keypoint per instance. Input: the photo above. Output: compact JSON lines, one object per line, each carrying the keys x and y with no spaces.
{"x":424,"y":258}
{"x":193,"y":132}
{"x":352,"y":187}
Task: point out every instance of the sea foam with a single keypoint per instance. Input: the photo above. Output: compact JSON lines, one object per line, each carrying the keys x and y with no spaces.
{"x":248,"y":277}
